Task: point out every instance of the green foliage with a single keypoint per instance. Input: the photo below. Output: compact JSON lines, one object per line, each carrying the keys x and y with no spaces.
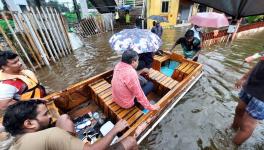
{"x":252,"y":19}
{"x":130,"y":2}
{"x":3,"y":24}
{"x":71,"y":17}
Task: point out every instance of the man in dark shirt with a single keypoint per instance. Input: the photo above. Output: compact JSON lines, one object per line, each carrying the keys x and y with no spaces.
{"x":250,"y":107}
{"x":190,"y":45}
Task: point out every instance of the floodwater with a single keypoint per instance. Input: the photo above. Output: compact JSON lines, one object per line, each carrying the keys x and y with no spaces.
{"x":201,"y":120}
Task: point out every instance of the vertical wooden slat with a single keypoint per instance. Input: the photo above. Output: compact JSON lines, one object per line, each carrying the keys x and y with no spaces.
{"x":19,"y":43}
{"x":51,"y":32}
{"x":55,"y":31}
{"x":42,"y":35}
{"x":38,"y":39}
{"x":26,"y":40}
{"x":47,"y":34}
{"x":10,"y":44}
{"x":31,"y":41}
{"x":59,"y":31}
{"x":65,"y":33}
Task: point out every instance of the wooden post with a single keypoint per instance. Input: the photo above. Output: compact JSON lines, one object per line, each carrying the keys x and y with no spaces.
{"x":26,"y":40}
{"x":43,"y":36}
{"x":10,"y":44}
{"x":42,"y":49}
{"x":96,"y":24}
{"x":237,"y":26}
{"x":64,"y":31}
{"x":47,"y":34}
{"x":77,"y":11}
{"x":59,"y":31}
{"x":51,"y":32}
{"x":24,"y":26}
{"x":16,"y":38}
{"x":36,"y":39}
{"x":64,"y":25}
{"x":55,"y":31}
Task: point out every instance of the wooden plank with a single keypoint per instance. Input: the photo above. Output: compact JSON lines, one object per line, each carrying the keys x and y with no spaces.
{"x":42,"y":35}
{"x":47,"y":34}
{"x":169,"y":83}
{"x":114,"y":107}
{"x":124,"y":112}
{"x":30,"y":38}
{"x":18,"y":41}
{"x":103,"y":88}
{"x":26,"y":40}
{"x":173,"y":84}
{"x":50,"y":27}
{"x":153,"y":73}
{"x":131,"y":113}
{"x":59,"y":33}
{"x":159,"y":76}
{"x":183,"y":65}
{"x":134,"y":118}
{"x":38,"y":40}
{"x":165,"y":81}
{"x":100,"y":86}
{"x":187,"y":67}
{"x":65,"y":30}
{"x":55,"y":32}
{"x":162,"y":78}
{"x":106,"y":93}
{"x":96,"y":82}
{"x":190,"y":69}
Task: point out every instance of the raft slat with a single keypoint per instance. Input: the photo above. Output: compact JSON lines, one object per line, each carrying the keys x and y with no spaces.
{"x":135,"y":117}
{"x":131,"y":113}
{"x":162,"y":78}
{"x":124,"y":112}
{"x":96,"y":84}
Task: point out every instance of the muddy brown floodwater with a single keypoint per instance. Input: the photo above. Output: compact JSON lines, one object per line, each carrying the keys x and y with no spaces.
{"x":201,"y":120}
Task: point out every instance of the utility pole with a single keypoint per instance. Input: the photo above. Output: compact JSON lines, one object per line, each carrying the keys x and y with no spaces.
{"x":77,"y":11}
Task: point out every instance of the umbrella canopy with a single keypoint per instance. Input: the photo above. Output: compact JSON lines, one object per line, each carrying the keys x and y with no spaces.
{"x":158,"y":18}
{"x":209,"y":19}
{"x":236,"y":8}
{"x":139,"y":40}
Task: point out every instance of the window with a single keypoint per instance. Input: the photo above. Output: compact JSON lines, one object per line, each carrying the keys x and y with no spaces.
{"x":165,"y":7}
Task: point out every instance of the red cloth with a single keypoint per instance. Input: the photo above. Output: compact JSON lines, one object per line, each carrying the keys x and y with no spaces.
{"x":126,"y":86}
{"x":19,"y":84}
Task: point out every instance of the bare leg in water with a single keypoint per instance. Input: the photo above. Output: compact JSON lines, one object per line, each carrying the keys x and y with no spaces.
{"x":247,"y":126}
{"x":239,"y":113}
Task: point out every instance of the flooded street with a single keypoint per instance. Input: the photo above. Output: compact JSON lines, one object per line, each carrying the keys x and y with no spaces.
{"x":201,"y":120}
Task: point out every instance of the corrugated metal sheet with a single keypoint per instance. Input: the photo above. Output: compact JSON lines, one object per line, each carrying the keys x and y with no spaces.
{"x":104,"y":6}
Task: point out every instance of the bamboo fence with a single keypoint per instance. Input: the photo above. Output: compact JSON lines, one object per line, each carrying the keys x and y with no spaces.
{"x":92,"y":25}
{"x":40,"y":36}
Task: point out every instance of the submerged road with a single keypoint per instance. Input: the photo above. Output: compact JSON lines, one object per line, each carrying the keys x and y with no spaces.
{"x":201,"y":120}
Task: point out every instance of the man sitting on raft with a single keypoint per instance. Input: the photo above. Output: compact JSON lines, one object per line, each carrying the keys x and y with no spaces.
{"x":126,"y":86}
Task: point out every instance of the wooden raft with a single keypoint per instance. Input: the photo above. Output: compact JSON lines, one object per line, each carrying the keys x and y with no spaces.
{"x":162,"y":79}
{"x":103,"y":91}
{"x":183,"y":70}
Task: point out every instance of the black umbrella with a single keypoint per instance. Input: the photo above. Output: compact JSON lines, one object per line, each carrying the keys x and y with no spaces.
{"x":236,"y":8}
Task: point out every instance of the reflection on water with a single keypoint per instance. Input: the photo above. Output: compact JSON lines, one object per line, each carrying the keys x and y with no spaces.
{"x":202,"y":118}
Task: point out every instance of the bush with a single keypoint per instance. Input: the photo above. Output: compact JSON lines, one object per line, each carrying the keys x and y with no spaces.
{"x":3,"y":24}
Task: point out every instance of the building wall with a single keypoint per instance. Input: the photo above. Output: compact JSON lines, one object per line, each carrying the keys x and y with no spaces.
{"x":154,"y":8}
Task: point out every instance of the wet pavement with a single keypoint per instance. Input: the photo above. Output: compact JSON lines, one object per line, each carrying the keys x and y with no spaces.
{"x":201,"y":120}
